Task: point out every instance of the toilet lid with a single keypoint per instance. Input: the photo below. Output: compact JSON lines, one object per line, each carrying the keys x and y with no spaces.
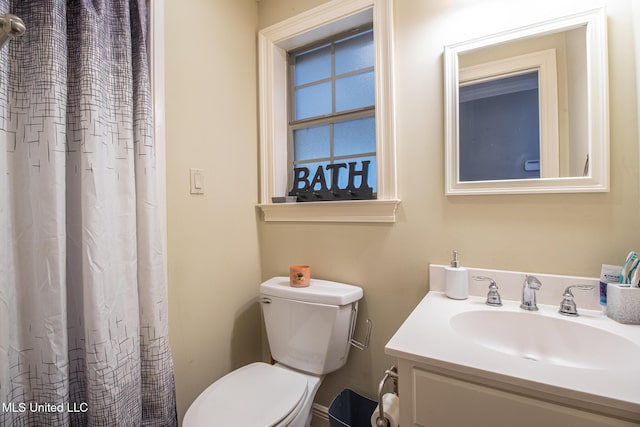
{"x":254,"y":395}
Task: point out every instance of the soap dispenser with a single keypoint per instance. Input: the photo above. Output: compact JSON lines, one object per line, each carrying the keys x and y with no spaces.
{"x":456,"y":279}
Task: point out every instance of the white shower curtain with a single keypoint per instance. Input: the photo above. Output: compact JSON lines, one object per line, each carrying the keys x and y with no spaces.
{"x":83,"y":305}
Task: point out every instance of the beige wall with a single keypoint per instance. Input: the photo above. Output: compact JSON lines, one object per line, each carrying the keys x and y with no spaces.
{"x":214,"y":266}
{"x":562,"y":234}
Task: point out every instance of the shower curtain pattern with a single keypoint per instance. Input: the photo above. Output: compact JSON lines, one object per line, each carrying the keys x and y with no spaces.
{"x":83,"y":310}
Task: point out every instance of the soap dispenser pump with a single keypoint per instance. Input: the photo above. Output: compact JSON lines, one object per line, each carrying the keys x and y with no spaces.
{"x":456,"y":279}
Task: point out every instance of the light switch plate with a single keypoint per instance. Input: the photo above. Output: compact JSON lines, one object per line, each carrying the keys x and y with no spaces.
{"x":196,"y":179}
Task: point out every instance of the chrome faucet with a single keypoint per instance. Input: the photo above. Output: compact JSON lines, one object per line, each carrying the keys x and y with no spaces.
{"x":568,"y":305}
{"x":531,"y":285}
{"x":493,"y":297}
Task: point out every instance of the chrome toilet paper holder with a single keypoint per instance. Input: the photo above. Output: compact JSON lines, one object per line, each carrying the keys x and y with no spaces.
{"x":393,"y":374}
{"x":357,"y":344}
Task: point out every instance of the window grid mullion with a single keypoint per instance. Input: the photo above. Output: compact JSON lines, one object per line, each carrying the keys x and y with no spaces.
{"x":338,"y":76}
{"x":339,"y":117}
{"x":331,"y":146}
{"x":333,"y":98}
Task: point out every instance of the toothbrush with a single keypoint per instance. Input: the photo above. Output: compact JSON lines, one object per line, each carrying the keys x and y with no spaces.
{"x":634,"y":274}
{"x":627,"y":268}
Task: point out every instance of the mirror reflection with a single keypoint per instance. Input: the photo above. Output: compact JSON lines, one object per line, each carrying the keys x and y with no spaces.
{"x":527,"y":109}
{"x":500,"y":120}
{"x":499,"y":128}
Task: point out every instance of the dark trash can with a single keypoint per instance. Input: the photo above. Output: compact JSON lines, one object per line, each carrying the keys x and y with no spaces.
{"x":350,"y":409}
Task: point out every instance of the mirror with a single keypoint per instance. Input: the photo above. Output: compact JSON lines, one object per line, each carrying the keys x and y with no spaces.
{"x":526,"y":111}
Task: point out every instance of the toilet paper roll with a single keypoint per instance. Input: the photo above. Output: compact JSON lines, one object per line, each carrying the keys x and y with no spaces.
{"x":391,"y":406}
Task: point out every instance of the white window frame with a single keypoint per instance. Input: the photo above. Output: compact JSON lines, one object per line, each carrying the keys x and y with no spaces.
{"x":273,"y":44}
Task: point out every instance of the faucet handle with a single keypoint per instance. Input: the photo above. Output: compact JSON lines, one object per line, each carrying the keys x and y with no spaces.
{"x":493,"y":297}
{"x":568,"y":305}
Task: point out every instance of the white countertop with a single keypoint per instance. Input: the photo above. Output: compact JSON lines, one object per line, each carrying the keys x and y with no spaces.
{"x":426,"y":337}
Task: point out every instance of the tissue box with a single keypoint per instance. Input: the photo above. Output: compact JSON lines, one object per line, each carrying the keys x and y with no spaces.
{"x":623,"y":304}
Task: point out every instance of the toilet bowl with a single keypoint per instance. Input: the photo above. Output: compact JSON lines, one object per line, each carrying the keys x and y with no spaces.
{"x":309,"y":332}
{"x":258,"y":394}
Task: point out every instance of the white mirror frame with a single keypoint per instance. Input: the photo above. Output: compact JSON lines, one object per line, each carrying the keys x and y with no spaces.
{"x":597,"y":100}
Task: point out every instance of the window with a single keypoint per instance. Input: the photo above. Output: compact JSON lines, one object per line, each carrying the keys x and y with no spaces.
{"x":332,"y":125}
{"x":317,"y":126}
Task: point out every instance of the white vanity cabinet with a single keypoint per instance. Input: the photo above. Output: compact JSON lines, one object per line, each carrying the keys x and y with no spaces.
{"x":430,"y":399}
{"x":462,"y":363}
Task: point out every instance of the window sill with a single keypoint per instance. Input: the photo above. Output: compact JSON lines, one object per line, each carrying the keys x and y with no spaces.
{"x":350,"y":211}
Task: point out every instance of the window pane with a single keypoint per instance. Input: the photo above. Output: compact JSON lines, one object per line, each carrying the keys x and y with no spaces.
{"x":355,"y":136}
{"x":311,"y":143}
{"x":354,"y":53}
{"x":313,"y":65}
{"x":355,"y":91}
{"x":313,"y":101}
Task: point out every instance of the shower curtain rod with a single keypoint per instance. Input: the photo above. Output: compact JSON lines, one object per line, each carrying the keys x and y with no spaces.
{"x":10,"y":26}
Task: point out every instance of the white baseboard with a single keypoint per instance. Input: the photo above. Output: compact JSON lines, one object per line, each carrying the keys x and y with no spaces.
{"x":320,"y":416}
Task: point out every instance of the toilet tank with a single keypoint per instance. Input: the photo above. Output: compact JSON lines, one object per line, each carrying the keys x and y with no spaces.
{"x":309,"y":328}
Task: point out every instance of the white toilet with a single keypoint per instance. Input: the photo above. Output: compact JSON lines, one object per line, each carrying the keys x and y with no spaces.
{"x":309,"y":332}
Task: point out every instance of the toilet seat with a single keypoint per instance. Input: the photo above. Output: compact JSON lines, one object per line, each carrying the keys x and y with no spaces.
{"x":255,"y":395}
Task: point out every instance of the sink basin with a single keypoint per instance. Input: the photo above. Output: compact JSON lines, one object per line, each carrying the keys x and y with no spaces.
{"x":545,"y":339}
{"x":588,"y":362}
